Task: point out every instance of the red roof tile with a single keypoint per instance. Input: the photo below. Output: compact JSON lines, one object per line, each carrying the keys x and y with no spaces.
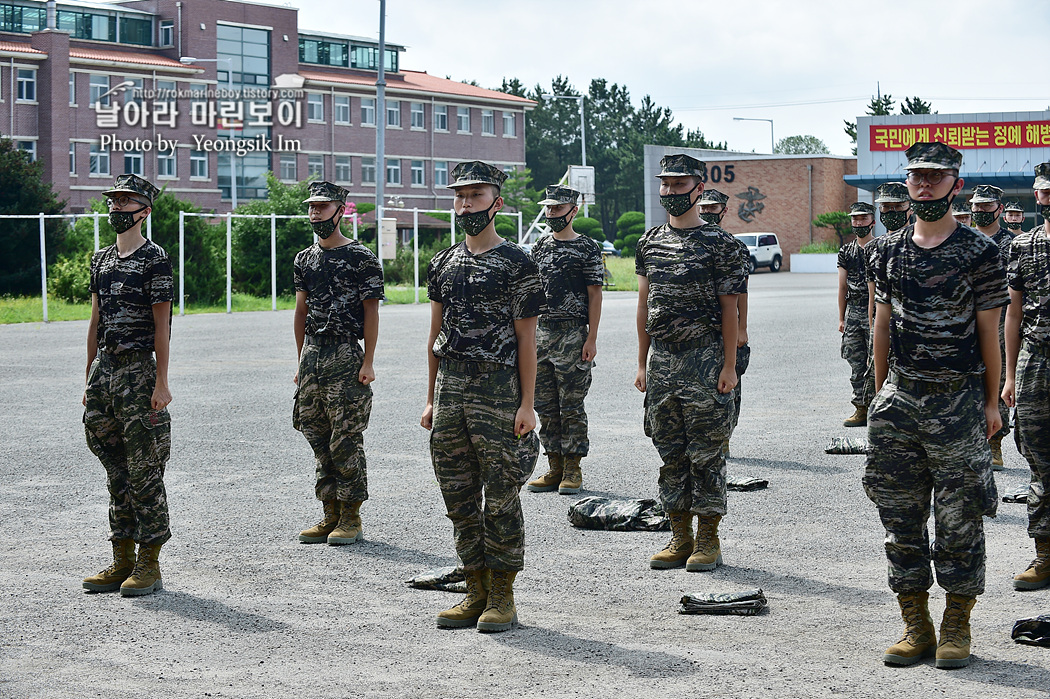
{"x":419,"y":81}
{"x":18,"y":46}
{"x":126,"y":57}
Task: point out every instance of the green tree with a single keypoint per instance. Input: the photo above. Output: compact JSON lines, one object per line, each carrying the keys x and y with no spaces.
{"x":880,"y":105}
{"x":838,"y":221}
{"x":518,"y":194}
{"x":590,"y":227}
{"x":24,"y":191}
{"x":801,"y":145}
{"x":915,"y":105}
{"x":629,"y":229}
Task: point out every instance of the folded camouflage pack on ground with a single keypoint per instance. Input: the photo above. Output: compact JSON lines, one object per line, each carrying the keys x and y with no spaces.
{"x":746,"y":484}
{"x":448,"y":579}
{"x":1018,"y":494}
{"x":618,"y":515}
{"x":1033,"y":632}
{"x":746,"y":603}
{"x":847,"y":445}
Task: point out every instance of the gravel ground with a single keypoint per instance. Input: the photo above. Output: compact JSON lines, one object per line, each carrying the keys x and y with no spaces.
{"x":247,"y":611}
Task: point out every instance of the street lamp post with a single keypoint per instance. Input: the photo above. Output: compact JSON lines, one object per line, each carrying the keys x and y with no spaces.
{"x":583,"y":132}
{"x":772,"y":142}
{"x":188,"y":60}
{"x":381,"y":118}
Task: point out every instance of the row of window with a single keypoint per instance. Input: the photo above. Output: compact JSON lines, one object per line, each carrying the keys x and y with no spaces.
{"x":99,"y":162}
{"x":80,"y":25}
{"x":332,"y":52}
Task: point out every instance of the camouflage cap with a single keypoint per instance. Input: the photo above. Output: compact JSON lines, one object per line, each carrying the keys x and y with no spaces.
{"x":682,"y":165}
{"x":933,"y":156}
{"x":713,"y":196}
{"x":557,"y":194}
{"x":891,"y":193}
{"x":1013,"y":206}
{"x":861,"y":208}
{"x":326,"y":191}
{"x":986,"y":194}
{"x":1042,"y":176}
{"x":133,"y":184}
{"x":960,"y":206}
{"x":477,"y":172}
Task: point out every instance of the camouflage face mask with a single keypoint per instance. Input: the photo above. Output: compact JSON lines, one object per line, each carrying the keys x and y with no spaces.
{"x":473,"y":223}
{"x":712,"y":217}
{"x":1044,"y":211}
{"x":677,"y":204}
{"x":324,"y":229}
{"x":123,"y":220}
{"x":1013,"y":225}
{"x":558,"y":223}
{"x":933,"y":209}
{"x":862,"y":231}
{"x":983,"y":218}
{"x":893,"y":220}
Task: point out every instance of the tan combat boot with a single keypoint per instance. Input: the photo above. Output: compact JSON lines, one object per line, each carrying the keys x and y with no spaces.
{"x":680,"y":546}
{"x":954,"y":648}
{"x":500,"y":613}
{"x":859,"y":418}
{"x":348,"y":530}
{"x":996,"y":443}
{"x":920,"y":637}
{"x":707,"y":551}
{"x":1038,"y":573}
{"x":572,"y":475}
{"x":466,"y":613}
{"x":318,"y":534}
{"x":123,"y":563}
{"x":548,"y":481}
{"x":145,"y":579}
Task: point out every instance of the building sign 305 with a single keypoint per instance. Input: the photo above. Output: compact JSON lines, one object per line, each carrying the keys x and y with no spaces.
{"x":719,"y":173}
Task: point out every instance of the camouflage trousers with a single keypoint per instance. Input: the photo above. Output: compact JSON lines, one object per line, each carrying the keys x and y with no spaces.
{"x":1004,"y":410}
{"x":688,"y":420}
{"x":922,"y":443}
{"x":480,"y":465}
{"x":856,"y":349}
{"x":562,"y":382}
{"x":743,"y":359}
{"x":331,"y":410}
{"x":132,"y":441}
{"x":1033,"y":432}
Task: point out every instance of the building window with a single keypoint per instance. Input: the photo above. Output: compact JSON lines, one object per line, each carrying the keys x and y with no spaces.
{"x":167,"y":33}
{"x":342,"y":168}
{"x":166,"y":164}
{"x":368,"y":170}
{"x":136,"y":31}
{"x":133,"y":163}
{"x":87,"y":25}
{"x":418,"y":115}
{"x":315,"y":166}
{"x":29,"y":147}
{"x":99,"y":87}
{"x":342,"y":109}
{"x":418,"y":178}
{"x":510,"y":128}
{"x":288,"y":168}
{"x":21,"y":19}
{"x":98,"y":164}
{"x":249,"y":51}
{"x":26,"y":85}
{"x":393,"y":113}
{"x":463,"y":119}
{"x":368,"y":111}
{"x":165,"y":90}
{"x":488,"y":122}
{"x":134,"y":92}
{"x":72,"y":89}
{"x":327,"y":53}
{"x":199,"y":164}
{"x":315,"y":107}
{"x":72,"y":158}
{"x":441,"y":117}
{"x":393,"y":171}
{"x":440,"y":173}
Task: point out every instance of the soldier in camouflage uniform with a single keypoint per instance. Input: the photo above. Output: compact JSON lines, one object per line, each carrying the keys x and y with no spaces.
{"x":1013,"y":217}
{"x":961,"y":212}
{"x":485,"y":296}
{"x":1028,"y":373}
{"x":689,"y":277}
{"x":713,"y":207}
{"x":894,"y":212}
{"x":338,"y":286}
{"x":853,"y":311}
{"x":126,"y":420}
{"x":986,"y":205}
{"x":572,"y":274}
{"x":940,"y":288}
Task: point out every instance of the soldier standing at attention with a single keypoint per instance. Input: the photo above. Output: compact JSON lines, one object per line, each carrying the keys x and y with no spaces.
{"x":485,"y":296}
{"x":572,"y":273}
{"x":1013,"y":217}
{"x":894,"y":211}
{"x":689,"y":277}
{"x":961,"y":212}
{"x":712,"y":210}
{"x":338,"y":285}
{"x":1028,"y":373}
{"x":853,"y":311}
{"x":940,"y":288}
{"x":986,"y":205}
{"x":125,"y":400}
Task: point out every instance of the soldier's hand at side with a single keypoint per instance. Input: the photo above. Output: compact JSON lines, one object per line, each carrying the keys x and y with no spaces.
{"x":83,"y":399}
{"x":295,"y":379}
{"x":639,"y":380}
{"x":727,"y":379}
{"x":842,"y":326}
{"x":161,"y":398}
{"x":994,"y":419}
{"x":367,"y":374}
{"x":590,"y":350}
{"x":741,"y":337}
{"x":427,"y":421}
{"x":1008,"y":394}
{"x":524,"y":421}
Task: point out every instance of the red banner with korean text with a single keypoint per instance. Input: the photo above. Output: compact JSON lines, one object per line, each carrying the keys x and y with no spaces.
{"x":1003,"y":134}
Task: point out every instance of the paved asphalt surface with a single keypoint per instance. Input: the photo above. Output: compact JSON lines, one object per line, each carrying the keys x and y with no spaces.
{"x":247,"y":611}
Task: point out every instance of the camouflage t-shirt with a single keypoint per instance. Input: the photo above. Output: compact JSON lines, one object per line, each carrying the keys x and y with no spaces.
{"x":853,"y":259}
{"x":934,"y":295}
{"x":1029,"y":273}
{"x":481,"y":297}
{"x":336,"y":282}
{"x":688,"y":269}
{"x":567,"y":268}
{"x":127,"y":289}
